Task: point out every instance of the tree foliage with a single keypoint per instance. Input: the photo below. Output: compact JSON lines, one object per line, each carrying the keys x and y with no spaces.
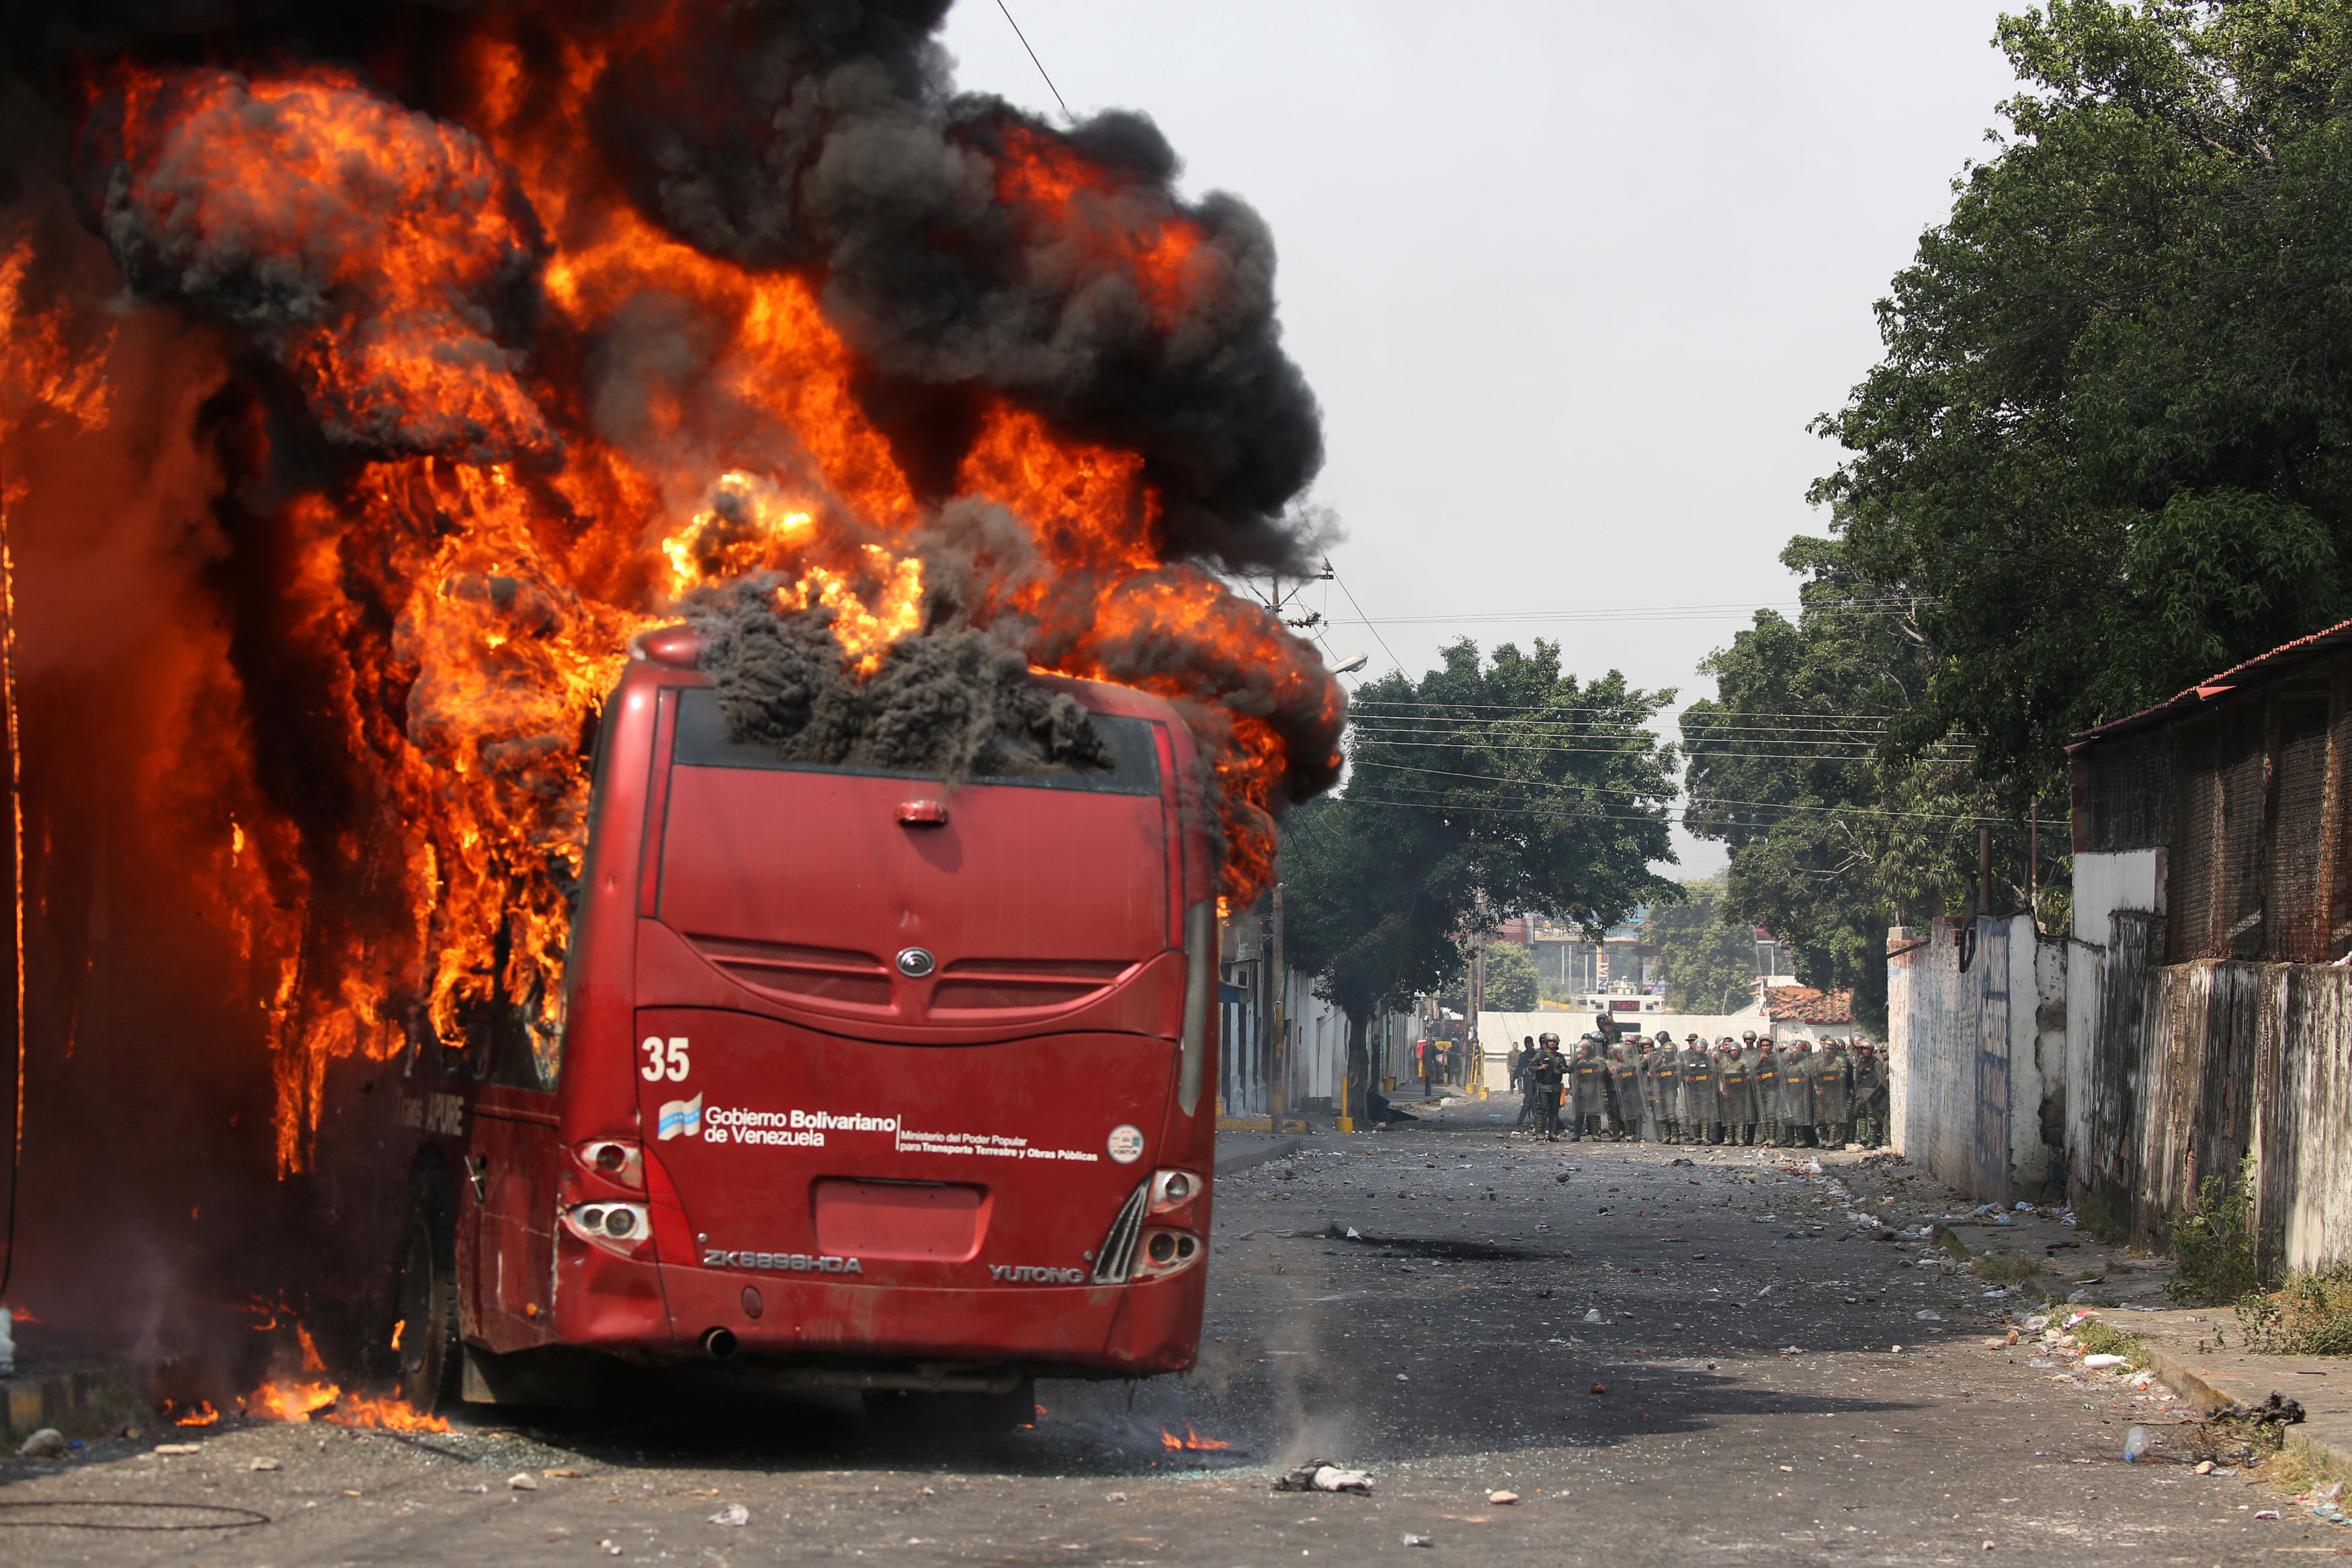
{"x":1488,"y":786}
{"x":1835,"y":831}
{"x":1513,"y":984}
{"x":1707,"y":949}
{"x":2108,"y":450}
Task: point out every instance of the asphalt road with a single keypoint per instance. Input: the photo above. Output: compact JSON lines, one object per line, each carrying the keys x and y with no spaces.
{"x":1668,"y":1362}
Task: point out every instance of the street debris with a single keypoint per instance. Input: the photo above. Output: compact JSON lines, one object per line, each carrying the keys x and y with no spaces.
{"x":45,"y":1444}
{"x":2135,"y":1445}
{"x":160,"y":1448}
{"x":1418,"y":1541}
{"x":1504,"y":1498}
{"x":734,"y":1516}
{"x":522,"y":1481}
{"x":264,"y":1464}
{"x":1322,"y":1475}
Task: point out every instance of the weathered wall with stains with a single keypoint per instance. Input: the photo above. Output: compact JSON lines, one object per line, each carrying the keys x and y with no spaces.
{"x":1976,"y":1011}
{"x":2198,"y":1065}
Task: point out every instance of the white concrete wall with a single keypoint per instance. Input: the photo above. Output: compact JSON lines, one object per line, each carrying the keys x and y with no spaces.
{"x":1938,"y":1016}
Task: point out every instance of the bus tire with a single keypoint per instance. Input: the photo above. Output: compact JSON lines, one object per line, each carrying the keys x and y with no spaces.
{"x":913,"y":1414}
{"x":429,"y":1355}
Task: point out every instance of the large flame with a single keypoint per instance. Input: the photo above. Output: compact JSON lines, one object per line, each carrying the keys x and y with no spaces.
{"x":453,"y":606}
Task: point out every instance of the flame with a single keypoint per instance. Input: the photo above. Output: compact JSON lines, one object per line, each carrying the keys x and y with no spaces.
{"x":454,"y":602}
{"x":204,"y":1415}
{"x":1189,"y":1441}
{"x":318,"y":1400}
{"x":400,"y":1326}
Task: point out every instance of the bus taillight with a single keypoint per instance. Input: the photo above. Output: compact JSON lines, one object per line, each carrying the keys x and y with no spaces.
{"x":624,"y":1228}
{"x":1165,"y":1252}
{"x":616,"y":1160}
{"x":1173,"y":1190}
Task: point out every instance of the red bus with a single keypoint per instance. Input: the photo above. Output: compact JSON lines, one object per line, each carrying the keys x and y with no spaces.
{"x":863,"y":1082}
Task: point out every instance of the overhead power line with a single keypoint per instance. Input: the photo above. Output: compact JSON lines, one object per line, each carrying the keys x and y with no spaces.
{"x":1038,"y":63}
{"x":1644,"y":613}
{"x":1561,"y":788}
{"x":1381,"y":703}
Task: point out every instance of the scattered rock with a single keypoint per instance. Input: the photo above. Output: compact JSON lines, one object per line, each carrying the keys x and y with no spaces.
{"x":264,"y":1463}
{"x":560,"y":1475}
{"x":1418,"y":1541}
{"x":158,"y":1448}
{"x":1504,"y":1498}
{"x":1600,"y":1388}
{"x":522,"y":1481}
{"x":734,"y":1516}
{"x":45,"y":1444}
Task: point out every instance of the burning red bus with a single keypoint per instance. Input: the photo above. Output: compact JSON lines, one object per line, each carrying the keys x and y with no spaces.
{"x":863,"y":1081}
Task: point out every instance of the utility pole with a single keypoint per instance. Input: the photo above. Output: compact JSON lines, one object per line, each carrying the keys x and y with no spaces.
{"x":1277,"y":1013}
{"x":1984,"y":870}
{"x":1277,"y":598}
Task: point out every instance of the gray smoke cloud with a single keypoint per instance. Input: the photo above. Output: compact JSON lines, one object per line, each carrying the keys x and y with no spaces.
{"x":951,"y":701}
{"x":963,"y":245}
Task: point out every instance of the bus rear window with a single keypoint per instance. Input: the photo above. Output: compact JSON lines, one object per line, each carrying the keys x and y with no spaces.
{"x":703,"y":742}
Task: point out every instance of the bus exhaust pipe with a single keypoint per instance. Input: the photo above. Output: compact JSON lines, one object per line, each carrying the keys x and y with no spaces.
{"x":718,"y":1343}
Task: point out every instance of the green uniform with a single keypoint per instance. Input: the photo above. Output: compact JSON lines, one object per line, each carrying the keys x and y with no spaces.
{"x":1735,"y":1095}
{"x":1546,"y":1071}
{"x":1833,"y":1098}
{"x":1666,"y":1077}
{"x":1797,"y":1096}
{"x":1767,"y":1094}
{"x":1870,"y":1097}
{"x":1698,"y":1096}
{"x":1626,"y":1081}
{"x":1592,"y":1091}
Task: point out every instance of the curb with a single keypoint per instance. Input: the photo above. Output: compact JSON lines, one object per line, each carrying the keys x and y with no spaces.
{"x":2183,"y":1380}
{"x":1247,"y":1159}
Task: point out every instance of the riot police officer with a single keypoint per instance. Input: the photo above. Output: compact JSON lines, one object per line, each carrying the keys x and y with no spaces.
{"x":1735,"y":1095}
{"x":1870,"y":1095}
{"x":1698,"y":1092}
{"x":1625,"y":1085}
{"x":1665,"y":1082}
{"x":1796,"y":1094}
{"x":1833,"y":1096}
{"x":1546,"y":1073}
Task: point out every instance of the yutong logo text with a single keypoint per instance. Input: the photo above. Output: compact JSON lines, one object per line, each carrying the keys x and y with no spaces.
{"x":1025,"y":1274}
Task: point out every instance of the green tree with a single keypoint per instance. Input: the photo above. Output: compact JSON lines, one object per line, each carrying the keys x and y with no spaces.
{"x":1485,"y":786}
{"x":1836,"y":829}
{"x":1513,"y":985}
{"x":2108,"y":450}
{"x":1707,"y":948}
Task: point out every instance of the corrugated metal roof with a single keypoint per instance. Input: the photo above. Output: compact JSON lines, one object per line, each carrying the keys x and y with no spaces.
{"x":2254,"y":671}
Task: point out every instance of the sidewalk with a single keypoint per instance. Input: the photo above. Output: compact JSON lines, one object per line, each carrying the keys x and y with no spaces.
{"x":2208,"y":1376}
{"x":1245,"y":1150}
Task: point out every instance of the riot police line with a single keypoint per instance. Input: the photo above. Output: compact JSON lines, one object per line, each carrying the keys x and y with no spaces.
{"x":1744,"y":1091}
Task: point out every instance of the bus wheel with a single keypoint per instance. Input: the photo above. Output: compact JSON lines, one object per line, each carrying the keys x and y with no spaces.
{"x":428,"y":1315}
{"x":905,"y":1414}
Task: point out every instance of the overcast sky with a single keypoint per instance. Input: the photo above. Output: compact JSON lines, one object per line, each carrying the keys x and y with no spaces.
{"x":1568,"y":278}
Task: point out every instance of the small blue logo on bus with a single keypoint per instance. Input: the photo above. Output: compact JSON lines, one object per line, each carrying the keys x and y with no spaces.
{"x":679,"y":1119}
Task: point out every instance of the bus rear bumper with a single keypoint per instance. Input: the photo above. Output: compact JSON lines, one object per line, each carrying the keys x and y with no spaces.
{"x":1136,"y":1330}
